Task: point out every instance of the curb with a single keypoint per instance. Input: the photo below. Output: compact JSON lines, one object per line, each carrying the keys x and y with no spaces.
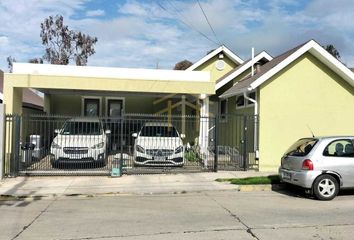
{"x":261,"y":187}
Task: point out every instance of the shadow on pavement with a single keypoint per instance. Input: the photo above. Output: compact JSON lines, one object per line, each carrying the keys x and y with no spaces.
{"x":291,"y":190}
{"x":295,"y":191}
{"x":346,"y":192}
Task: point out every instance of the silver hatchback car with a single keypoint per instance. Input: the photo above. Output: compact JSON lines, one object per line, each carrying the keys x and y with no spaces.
{"x":322,"y":165}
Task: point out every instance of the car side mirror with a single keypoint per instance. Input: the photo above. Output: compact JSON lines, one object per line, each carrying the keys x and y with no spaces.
{"x":134,"y":135}
{"x":108,"y":131}
{"x":183,"y":135}
{"x":57,"y":131}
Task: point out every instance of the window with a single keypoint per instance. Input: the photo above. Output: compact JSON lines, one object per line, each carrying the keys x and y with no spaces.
{"x":340,"y":148}
{"x":82,"y":128}
{"x":223,"y":107}
{"x":302,"y":147}
{"x":158,"y":131}
{"x":241,"y":102}
{"x":253,"y":96}
{"x":114,"y":107}
{"x":91,"y":107}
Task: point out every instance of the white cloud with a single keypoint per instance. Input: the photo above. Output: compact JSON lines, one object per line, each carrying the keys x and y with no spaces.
{"x":95,"y":13}
{"x":142,"y":34}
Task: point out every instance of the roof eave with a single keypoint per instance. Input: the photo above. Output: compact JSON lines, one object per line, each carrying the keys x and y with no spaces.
{"x":228,"y":53}
{"x":260,"y":56}
{"x":315,"y":49}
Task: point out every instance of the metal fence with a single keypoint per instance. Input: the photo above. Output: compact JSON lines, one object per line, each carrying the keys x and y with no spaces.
{"x":67,"y":145}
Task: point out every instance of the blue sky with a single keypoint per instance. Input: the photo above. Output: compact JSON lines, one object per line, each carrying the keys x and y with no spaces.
{"x":142,"y":33}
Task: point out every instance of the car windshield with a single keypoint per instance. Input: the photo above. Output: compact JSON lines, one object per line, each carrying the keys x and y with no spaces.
{"x":82,"y":128}
{"x":158,"y":131}
{"x":302,"y":147}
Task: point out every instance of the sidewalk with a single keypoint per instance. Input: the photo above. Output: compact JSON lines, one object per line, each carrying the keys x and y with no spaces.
{"x":127,"y":184}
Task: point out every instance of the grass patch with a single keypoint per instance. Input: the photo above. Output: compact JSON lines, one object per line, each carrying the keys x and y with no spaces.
{"x":271,"y":179}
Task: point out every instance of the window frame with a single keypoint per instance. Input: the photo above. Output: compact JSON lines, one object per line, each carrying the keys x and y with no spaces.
{"x":246,"y":103}
{"x":83,"y":104}
{"x":114,"y":98}
{"x":223,"y":116}
{"x":338,"y":140}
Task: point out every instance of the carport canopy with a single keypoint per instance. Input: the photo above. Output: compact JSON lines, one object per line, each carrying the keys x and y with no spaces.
{"x":85,"y":78}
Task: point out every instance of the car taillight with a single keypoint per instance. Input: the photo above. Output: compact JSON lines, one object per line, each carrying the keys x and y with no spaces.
{"x":307,"y":165}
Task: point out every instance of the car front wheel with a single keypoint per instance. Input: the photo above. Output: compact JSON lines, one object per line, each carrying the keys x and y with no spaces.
{"x":325,"y":187}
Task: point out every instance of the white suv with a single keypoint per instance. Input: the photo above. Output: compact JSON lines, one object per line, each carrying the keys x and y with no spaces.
{"x":158,"y":144}
{"x":80,"y":140}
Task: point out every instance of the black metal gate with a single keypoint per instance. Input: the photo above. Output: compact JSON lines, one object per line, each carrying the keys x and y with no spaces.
{"x":67,"y":145}
{"x":237,"y":142}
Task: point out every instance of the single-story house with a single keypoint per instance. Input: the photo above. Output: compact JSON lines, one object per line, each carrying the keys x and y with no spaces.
{"x":304,"y":88}
{"x":302,"y":91}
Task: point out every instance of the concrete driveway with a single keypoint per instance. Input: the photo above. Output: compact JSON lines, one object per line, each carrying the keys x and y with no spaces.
{"x":204,"y":215}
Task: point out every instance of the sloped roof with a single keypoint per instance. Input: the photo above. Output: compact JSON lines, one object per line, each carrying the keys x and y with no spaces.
{"x":29,"y":98}
{"x":212,"y":54}
{"x":280,"y":62}
{"x":241,"y":68}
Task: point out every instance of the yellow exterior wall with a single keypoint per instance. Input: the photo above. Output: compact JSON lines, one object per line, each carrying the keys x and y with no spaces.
{"x":215,"y":73}
{"x":306,"y":93}
{"x":12,"y":99}
{"x":18,"y":81}
{"x":72,"y":104}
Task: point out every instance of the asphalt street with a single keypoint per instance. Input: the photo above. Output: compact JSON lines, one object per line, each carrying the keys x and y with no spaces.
{"x":203,"y":215}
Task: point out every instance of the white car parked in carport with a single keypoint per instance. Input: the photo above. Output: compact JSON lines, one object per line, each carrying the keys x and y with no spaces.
{"x":158,"y":144}
{"x":80,"y":140}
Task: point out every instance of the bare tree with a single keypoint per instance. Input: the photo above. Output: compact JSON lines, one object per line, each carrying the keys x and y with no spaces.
{"x":332,"y":50}
{"x":36,"y":60}
{"x":63,"y":44}
{"x":183,"y":65}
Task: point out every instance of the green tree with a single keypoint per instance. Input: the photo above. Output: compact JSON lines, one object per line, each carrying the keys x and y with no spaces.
{"x":332,"y":50}
{"x":63,"y":45}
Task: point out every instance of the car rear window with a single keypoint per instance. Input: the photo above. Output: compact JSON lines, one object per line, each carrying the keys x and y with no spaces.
{"x":302,"y":147}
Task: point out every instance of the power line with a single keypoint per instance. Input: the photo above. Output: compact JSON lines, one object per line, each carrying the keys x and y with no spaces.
{"x":201,"y":8}
{"x":185,"y":23}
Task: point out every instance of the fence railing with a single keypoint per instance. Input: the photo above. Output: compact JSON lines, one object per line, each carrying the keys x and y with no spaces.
{"x":46,"y":144}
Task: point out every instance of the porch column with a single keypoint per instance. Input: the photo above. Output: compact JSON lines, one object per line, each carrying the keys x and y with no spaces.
{"x":12,"y":99}
{"x":2,"y":144}
{"x":183,"y":114}
{"x":204,"y":128}
{"x":46,"y":107}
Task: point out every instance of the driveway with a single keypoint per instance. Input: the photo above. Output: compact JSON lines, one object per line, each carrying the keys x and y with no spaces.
{"x":204,"y":215}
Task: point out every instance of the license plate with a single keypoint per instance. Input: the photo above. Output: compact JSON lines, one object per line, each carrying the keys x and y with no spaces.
{"x":286,"y":176}
{"x":159,"y":158}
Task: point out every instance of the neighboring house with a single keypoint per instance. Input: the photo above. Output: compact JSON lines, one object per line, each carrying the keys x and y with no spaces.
{"x":301,"y":91}
{"x":31,"y":102}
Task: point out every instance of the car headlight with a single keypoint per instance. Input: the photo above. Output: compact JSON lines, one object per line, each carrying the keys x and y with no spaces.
{"x":179,"y":149}
{"x":140,"y":149}
{"x":55,"y":145}
{"x":99,"y":145}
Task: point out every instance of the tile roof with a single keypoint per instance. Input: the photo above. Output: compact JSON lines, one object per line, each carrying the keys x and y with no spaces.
{"x":245,"y":83}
